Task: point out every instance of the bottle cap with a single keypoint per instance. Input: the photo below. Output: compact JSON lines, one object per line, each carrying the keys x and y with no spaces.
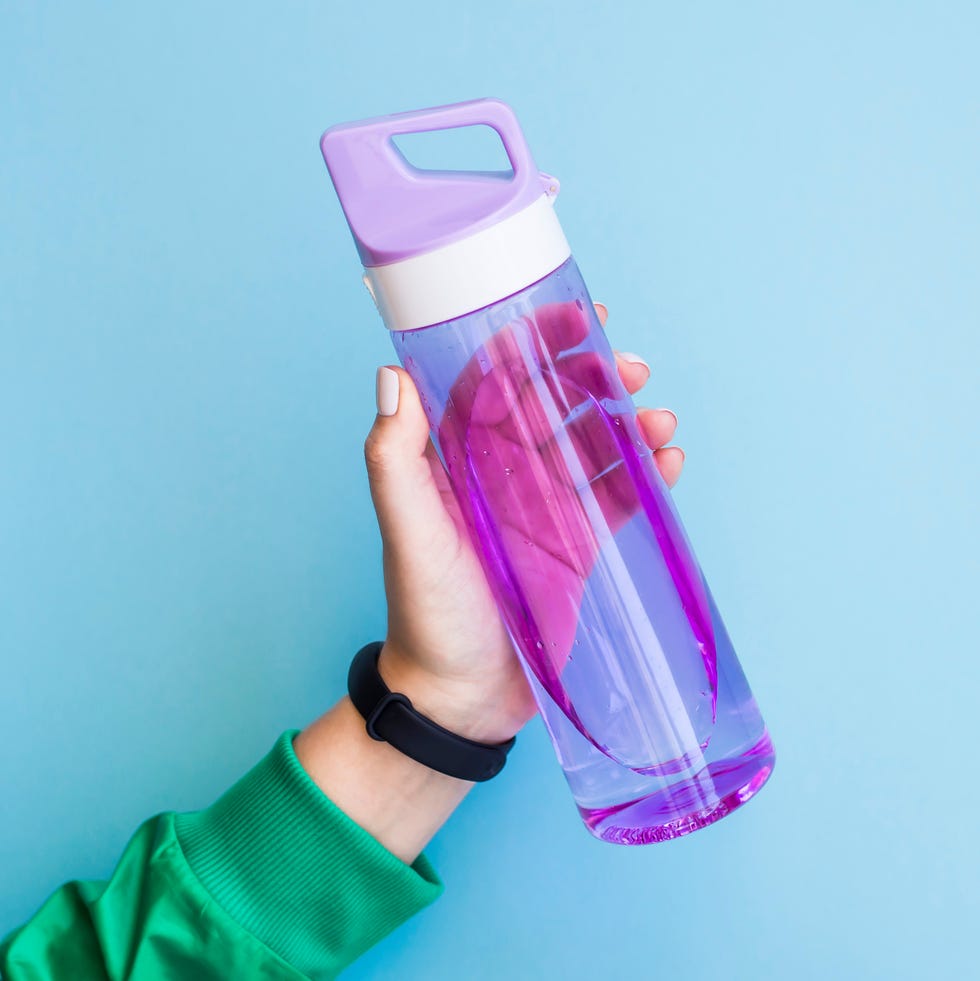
{"x":439,"y":244}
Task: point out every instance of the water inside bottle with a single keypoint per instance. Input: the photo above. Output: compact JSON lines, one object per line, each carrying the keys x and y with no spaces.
{"x":638,"y":684}
{"x":597,"y":588}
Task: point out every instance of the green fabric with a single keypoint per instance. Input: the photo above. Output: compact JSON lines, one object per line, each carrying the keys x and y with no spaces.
{"x":271,"y":881}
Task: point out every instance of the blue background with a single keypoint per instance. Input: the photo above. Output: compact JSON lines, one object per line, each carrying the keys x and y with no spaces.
{"x":781,"y":208}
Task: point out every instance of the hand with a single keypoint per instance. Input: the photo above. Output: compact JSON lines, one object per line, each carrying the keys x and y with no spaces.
{"x":447,"y":648}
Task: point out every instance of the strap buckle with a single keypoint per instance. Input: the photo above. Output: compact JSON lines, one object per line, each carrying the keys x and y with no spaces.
{"x":392,"y":698}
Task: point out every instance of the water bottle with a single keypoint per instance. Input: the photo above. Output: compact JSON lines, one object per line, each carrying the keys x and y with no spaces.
{"x":637,"y":681}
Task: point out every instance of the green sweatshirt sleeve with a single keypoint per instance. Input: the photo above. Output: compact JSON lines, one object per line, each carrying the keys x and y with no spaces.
{"x":270,"y":882}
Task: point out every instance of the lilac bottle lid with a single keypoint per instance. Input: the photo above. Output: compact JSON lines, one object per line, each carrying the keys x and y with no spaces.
{"x":439,"y":244}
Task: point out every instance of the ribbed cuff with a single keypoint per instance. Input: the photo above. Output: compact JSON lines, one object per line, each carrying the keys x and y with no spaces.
{"x":296,"y":872}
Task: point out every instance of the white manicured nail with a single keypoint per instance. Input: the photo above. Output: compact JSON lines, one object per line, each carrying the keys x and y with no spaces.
{"x":386,"y":391}
{"x":633,"y":359}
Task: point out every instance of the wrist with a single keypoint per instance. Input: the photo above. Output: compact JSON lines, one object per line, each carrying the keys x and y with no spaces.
{"x":400,"y":802}
{"x":468,"y":708}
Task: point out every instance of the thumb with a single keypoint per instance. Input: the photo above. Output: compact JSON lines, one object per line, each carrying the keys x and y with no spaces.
{"x":402,"y":487}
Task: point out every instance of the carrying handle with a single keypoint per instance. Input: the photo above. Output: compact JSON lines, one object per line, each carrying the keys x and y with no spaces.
{"x":396,"y":210}
{"x":368,"y":143}
{"x":478,"y":112}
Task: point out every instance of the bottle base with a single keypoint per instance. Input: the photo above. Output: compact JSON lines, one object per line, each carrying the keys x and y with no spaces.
{"x":688,"y":805}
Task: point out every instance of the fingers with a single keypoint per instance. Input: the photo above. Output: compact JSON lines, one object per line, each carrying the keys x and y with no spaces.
{"x":586,"y":374}
{"x":498,"y":357}
{"x":657,"y":426}
{"x":633,"y":370}
{"x":561,"y":325}
{"x":400,"y":431}
{"x":669,"y":461}
{"x":515,"y":407}
{"x":556,"y":328}
{"x":404,"y":494}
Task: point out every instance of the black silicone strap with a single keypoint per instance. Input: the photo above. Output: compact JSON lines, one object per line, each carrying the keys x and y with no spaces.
{"x":391,"y":718}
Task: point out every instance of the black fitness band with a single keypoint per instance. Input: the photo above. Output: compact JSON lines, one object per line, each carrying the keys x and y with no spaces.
{"x":391,"y":718}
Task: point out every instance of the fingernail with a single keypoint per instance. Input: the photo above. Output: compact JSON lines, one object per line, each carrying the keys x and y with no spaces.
{"x":633,"y":359}
{"x":671,"y":411}
{"x":602,"y":307}
{"x":386,"y":391}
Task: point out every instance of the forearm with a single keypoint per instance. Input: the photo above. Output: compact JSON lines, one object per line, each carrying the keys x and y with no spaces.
{"x":399,"y":802}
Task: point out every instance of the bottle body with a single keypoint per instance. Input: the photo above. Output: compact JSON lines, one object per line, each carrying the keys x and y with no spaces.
{"x":637,"y":681}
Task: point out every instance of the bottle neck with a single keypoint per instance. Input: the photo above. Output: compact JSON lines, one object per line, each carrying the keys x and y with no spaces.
{"x":472,"y":273}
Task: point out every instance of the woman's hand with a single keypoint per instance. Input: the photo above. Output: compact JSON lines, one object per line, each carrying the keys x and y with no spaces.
{"x":446,"y":647}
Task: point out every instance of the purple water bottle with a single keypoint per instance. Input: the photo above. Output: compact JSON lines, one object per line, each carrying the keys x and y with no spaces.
{"x":643,"y":696}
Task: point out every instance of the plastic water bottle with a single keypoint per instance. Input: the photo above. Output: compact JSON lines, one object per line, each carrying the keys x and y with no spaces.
{"x":635,"y":676}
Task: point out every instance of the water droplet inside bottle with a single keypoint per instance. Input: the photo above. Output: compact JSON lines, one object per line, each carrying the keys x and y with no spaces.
{"x":508,"y":470}
{"x":539,"y":646}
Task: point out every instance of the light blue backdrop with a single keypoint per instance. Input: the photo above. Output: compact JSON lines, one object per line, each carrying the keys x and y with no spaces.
{"x":780,"y":207}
